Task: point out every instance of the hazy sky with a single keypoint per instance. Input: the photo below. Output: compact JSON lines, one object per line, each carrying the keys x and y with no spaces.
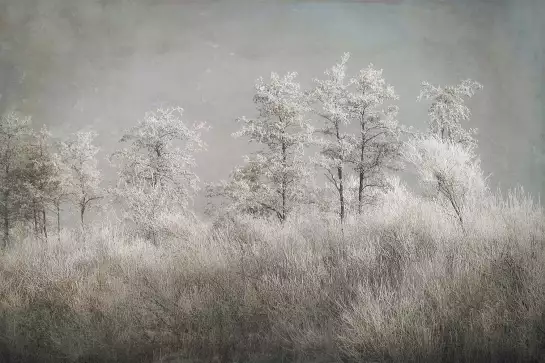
{"x":75,"y":64}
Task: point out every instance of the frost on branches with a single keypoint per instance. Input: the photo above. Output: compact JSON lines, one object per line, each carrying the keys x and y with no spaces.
{"x":83,"y":182}
{"x":449,"y":171}
{"x":155,"y":174}
{"x":448,"y":111}
{"x":374,"y":150}
{"x":14,"y":130}
{"x":377,"y":146}
{"x":444,"y":157}
{"x":272,"y":182}
{"x":336,"y":146}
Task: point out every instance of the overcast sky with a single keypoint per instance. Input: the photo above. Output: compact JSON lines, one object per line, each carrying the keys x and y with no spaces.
{"x":101,"y":64}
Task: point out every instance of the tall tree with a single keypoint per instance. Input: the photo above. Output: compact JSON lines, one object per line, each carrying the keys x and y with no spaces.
{"x":14,"y":133}
{"x":337,"y":145}
{"x":377,"y":146}
{"x":40,"y":179}
{"x":272,"y":181}
{"x":79,"y":155}
{"x":154,"y":175}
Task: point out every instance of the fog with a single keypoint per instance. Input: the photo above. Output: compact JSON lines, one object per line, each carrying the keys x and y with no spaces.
{"x":101,"y":64}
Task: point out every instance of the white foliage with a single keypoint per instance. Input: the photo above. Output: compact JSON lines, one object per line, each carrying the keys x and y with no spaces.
{"x":448,"y":110}
{"x":449,"y":171}
{"x":377,"y":146}
{"x":14,"y":130}
{"x":156,"y":169}
{"x":79,"y":155}
{"x":273,"y":180}
{"x":336,"y":145}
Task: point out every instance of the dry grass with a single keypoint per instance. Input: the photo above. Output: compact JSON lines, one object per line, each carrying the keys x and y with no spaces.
{"x":401,"y":283}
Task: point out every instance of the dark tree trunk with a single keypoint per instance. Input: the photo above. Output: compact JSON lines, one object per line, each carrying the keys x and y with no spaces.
{"x":6,"y":220}
{"x":44,"y":220}
{"x":82,"y":213}
{"x":284,"y":186}
{"x":58,"y":221}
{"x":341,"y":193}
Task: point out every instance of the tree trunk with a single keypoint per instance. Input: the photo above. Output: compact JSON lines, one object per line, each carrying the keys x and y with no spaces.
{"x":340,"y":176}
{"x":341,"y":193}
{"x":35,"y":217}
{"x":6,"y":220}
{"x":58,"y":221}
{"x":44,"y":219}
{"x":82,"y":213}
{"x":284,"y":160}
{"x":361,"y":176}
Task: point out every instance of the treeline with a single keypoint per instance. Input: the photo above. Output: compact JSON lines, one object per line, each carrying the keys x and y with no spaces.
{"x":351,"y":121}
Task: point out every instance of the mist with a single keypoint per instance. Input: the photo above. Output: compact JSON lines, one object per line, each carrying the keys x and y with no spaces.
{"x":73,"y":64}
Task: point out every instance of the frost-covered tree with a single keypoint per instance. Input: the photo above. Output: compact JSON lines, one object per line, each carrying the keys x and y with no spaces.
{"x":337,"y":145}
{"x":448,"y":110}
{"x":273,"y":180}
{"x":377,"y":145}
{"x":61,"y":193}
{"x":444,"y":156}
{"x":40,"y":179}
{"x":79,"y":155}
{"x":14,"y":133}
{"x":449,"y":171}
{"x":155,"y":175}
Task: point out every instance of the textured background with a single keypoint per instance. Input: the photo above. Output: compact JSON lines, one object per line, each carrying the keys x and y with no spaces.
{"x":102,"y":63}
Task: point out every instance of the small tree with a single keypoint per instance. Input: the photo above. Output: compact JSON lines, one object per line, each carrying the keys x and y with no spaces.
{"x":378,"y":143}
{"x":79,"y":155}
{"x":272,"y":181}
{"x":154,"y":175}
{"x":14,"y":133}
{"x":448,"y":111}
{"x":337,"y":146}
{"x":444,"y":156}
{"x":449,"y":171}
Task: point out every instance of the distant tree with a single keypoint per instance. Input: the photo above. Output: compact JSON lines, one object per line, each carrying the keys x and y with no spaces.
{"x":377,"y":146}
{"x":14,"y":133}
{"x":448,"y":111}
{"x":273,"y":180}
{"x":83,"y":182}
{"x":40,"y":179}
{"x":155,"y":176}
{"x":337,"y":146}
{"x":61,"y":193}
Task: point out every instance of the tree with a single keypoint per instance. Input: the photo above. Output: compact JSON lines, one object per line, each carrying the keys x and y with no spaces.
{"x":448,"y":111}
{"x":272,"y":181}
{"x":40,"y":179}
{"x":449,"y":171}
{"x":377,"y":146}
{"x":14,"y":133}
{"x":155,"y":176}
{"x":79,"y":155}
{"x":444,"y":156}
{"x":61,"y":193}
{"x":336,"y":146}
